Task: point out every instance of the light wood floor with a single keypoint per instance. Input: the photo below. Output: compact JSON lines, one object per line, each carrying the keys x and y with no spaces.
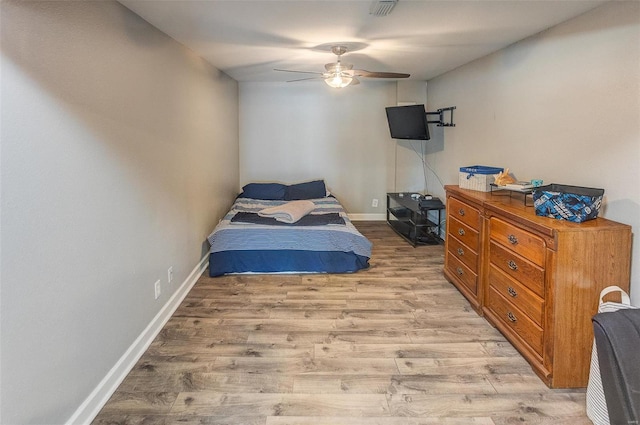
{"x":395,"y":344}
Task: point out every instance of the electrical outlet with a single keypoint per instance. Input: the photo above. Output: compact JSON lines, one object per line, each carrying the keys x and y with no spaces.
{"x":157,"y":289}
{"x":374,"y":203}
{"x":170,"y":275}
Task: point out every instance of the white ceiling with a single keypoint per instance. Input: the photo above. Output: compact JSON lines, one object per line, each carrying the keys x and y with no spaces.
{"x":248,"y":38}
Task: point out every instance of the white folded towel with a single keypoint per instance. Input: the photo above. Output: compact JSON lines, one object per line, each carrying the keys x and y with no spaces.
{"x":289,"y":212}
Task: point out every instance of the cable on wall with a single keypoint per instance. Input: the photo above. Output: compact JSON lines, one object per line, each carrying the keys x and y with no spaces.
{"x":425,"y":166}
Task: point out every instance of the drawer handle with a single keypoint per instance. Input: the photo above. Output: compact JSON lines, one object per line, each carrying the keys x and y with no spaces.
{"x":512,"y":265}
{"x":511,"y":317}
{"x":513,"y":239}
{"x":460,"y":251}
{"x":512,"y":292}
{"x":460,"y":271}
{"x":461,"y":231}
{"x":461,"y":211}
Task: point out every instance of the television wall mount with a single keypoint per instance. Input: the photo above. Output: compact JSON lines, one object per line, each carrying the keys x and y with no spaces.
{"x":441,"y":117}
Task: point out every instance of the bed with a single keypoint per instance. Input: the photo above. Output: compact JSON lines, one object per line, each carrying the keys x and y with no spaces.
{"x":325,"y":241}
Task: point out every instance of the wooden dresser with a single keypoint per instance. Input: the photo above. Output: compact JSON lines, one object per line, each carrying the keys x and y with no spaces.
{"x":463,"y":243}
{"x":536,"y":279}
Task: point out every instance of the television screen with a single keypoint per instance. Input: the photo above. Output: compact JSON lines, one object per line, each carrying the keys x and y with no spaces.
{"x":408,"y":122}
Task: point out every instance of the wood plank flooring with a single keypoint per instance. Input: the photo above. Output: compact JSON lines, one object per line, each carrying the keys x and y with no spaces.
{"x":393,"y":345}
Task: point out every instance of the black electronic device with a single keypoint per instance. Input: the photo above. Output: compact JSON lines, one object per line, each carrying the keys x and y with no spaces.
{"x":408,"y":122}
{"x":430,"y":204}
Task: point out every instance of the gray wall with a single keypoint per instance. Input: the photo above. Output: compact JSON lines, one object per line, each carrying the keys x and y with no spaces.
{"x":119,"y":155}
{"x":292,"y":132}
{"x":563,"y":106}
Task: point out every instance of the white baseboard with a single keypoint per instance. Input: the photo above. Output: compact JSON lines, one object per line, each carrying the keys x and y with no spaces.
{"x":368,"y":217}
{"x":90,"y":408}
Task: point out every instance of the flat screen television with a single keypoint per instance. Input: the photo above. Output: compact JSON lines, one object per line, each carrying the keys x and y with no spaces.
{"x":408,"y":122}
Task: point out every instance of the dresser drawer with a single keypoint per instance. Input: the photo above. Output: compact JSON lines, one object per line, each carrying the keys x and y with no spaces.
{"x":525,"y":272}
{"x":464,"y":233}
{"x":521,"y":297}
{"x":516,"y":320}
{"x":463,"y":212}
{"x":462,"y":252}
{"x":519,"y":240}
{"x":463,"y":273}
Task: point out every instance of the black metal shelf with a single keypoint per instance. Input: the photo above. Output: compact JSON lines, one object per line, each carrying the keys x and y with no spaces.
{"x":410,"y":220}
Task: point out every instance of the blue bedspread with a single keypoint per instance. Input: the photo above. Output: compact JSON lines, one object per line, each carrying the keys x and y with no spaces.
{"x":243,"y":247}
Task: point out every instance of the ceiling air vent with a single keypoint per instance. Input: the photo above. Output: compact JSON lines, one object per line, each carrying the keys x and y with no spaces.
{"x":382,"y":7}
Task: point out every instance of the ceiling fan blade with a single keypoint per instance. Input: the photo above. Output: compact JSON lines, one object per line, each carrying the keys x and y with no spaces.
{"x":304,"y":79}
{"x":372,"y":74}
{"x":354,"y":81}
{"x":299,"y":72}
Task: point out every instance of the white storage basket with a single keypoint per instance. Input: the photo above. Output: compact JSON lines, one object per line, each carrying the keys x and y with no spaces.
{"x":478,"y":177}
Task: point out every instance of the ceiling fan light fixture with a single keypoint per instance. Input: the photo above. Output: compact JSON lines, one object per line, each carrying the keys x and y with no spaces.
{"x":338,"y":81}
{"x":382,"y":7}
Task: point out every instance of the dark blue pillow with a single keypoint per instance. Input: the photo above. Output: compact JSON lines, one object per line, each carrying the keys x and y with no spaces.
{"x":309,"y":190}
{"x":267,"y":191}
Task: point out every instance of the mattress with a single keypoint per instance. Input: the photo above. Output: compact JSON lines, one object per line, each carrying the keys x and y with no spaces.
{"x":239,"y":247}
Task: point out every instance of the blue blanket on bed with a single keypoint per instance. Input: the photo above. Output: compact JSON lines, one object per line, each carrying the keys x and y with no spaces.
{"x":235,"y":240}
{"x":307,"y":220}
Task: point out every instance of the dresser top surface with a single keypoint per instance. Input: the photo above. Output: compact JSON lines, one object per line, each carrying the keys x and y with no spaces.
{"x":515,"y":208}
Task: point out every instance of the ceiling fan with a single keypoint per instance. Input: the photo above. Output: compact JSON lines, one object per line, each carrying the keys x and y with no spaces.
{"x":339,"y":74}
